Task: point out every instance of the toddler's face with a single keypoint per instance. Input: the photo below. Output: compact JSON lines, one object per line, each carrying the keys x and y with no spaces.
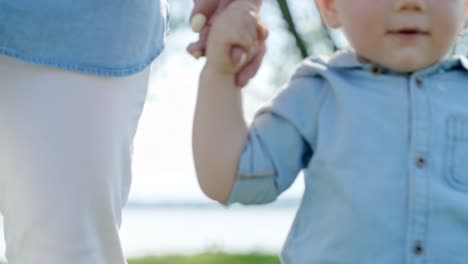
{"x":403,"y":35}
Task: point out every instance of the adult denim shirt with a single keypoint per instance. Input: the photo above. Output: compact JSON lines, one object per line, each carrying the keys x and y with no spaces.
{"x":105,"y":37}
{"x":384,"y":156}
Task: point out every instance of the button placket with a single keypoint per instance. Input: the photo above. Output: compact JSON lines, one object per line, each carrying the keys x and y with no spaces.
{"x":419,"y":180}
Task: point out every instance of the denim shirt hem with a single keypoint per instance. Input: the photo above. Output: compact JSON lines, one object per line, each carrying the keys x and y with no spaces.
{"x":82,"y":67}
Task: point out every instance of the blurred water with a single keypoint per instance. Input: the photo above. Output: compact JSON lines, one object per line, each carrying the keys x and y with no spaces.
{"x":182,"y":229}
{"x":188,"y":231}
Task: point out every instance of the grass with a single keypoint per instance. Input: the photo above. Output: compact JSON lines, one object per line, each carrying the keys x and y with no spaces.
{"x":210,"y":258}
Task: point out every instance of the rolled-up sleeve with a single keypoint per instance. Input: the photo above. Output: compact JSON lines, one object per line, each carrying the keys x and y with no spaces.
{"x":279,"y":144}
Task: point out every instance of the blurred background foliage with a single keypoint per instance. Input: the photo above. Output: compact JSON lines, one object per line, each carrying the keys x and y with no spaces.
{"x":299,"y":27}
{"x":307,"y":32}
{"x":211,"y":258}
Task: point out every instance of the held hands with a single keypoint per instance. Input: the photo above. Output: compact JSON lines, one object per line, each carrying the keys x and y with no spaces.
{"x":231,"y":37}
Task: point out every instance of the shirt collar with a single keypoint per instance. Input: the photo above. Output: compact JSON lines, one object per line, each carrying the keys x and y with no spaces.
{"x":348,"y":59}
{"x":344,"y":59}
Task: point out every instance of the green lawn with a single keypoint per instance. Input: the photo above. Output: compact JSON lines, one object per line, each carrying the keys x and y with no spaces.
{"x":210,"y":258}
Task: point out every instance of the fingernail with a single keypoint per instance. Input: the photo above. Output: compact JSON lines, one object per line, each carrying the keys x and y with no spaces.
{"x":197,"y":54}
{"x":198,"y":22}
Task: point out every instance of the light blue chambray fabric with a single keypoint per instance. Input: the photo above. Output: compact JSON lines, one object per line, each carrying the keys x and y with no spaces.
{"x":104,"y":37}
{"x":384,"y":156}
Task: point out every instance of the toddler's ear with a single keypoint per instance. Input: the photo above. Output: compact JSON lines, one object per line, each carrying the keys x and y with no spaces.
{"x":329,"y":12}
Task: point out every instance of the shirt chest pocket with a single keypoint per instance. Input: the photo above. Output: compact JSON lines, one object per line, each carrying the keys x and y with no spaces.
{"x":457,"y":152}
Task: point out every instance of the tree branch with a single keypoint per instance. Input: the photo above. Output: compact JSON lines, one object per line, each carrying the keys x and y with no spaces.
{"x":287,"y":17}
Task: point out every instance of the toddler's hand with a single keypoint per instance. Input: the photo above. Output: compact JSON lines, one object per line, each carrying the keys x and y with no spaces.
{"x":236,"y":42}
{"x":203,"y":14}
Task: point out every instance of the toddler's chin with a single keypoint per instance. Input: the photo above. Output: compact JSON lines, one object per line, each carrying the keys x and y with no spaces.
{"x":407,"y":64}
{"x":412,"y":60}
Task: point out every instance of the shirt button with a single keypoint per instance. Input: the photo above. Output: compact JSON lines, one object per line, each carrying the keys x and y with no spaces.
{"x":376,"y":70}
{"x":420,"y":162}
{"x":419,"y":82}
{"x":418,"y":248}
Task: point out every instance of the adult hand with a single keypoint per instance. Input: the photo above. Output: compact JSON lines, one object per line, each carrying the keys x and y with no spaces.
{"x":203,"y":13}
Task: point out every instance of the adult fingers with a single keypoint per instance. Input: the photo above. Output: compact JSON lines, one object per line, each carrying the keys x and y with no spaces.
{"x":197,"y":49}
{"x":203,"y":11}
{"x":206,"y":7}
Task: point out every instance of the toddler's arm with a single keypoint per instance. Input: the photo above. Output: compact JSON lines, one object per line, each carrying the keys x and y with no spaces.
{"x":220,"y":130}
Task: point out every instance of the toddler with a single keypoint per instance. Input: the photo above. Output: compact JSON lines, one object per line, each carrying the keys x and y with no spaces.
{"x":380,"y":132}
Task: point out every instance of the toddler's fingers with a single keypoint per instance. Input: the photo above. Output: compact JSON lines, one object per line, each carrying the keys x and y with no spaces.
{"x":238,"y":56}
{"x":257,"y":3}
{"x":242,"y":28}
{"x":262,"y":32}
{"x":251,"y":68}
